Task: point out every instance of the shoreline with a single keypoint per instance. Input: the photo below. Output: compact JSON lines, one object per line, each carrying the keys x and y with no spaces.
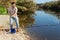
{"x":4,"y":23}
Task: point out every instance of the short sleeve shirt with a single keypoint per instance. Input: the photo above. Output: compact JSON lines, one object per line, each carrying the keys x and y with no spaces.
{"x":12,"y":10}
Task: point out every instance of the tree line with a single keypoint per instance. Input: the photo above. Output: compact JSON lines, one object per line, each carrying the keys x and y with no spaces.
{"x":54,"y":5}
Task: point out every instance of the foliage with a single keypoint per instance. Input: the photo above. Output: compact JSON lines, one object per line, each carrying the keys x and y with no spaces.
{"x":3,"y":10}
{"x":23,"y":5}
{"x":52,"y":5}
{"x":6,"y":3}
{"x":26,"y":6}
{"x":26,"y":9}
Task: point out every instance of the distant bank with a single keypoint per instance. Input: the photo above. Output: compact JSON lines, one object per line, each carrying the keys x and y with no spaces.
{"x":54,"y":6}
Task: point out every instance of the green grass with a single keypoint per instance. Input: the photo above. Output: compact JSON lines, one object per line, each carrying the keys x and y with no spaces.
{"x":3,"y":10}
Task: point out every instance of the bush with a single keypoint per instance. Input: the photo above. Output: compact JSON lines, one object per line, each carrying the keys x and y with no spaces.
{"x":26,"y":6}
{"x":3,"y":10}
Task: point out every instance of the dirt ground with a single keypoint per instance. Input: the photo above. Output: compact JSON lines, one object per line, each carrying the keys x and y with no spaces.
{"x":4,"y":23}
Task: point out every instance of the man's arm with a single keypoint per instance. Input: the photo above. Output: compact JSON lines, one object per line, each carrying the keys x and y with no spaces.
{"x":16,"y":10}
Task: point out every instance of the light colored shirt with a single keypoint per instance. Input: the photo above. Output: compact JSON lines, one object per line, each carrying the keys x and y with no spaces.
{"x":12,"y":11}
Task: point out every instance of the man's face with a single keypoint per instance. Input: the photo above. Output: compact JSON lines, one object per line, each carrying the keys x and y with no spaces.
{"x":13,"y":5}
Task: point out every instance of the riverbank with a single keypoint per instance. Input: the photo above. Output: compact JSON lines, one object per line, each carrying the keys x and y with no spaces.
{"x":4,"y":23}
{"x":53,"y":6}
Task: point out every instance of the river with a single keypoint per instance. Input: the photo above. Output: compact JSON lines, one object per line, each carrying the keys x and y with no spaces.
{"x":46,"y":26}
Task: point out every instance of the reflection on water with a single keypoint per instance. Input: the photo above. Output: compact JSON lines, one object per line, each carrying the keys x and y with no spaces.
{"x":46,"y":25}
{"x":53,"y":13}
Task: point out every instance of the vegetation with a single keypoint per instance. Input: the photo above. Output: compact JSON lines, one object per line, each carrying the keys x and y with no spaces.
{"x":3,"y":10}
{"x":26,"y":6}
{"x":55,"y":5}
{"x":23,"y":5}
{"x":6,"y":3}
{"x":26,"y":9}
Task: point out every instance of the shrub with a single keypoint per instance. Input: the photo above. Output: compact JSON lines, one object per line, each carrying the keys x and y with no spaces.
{"x":3,"y":10}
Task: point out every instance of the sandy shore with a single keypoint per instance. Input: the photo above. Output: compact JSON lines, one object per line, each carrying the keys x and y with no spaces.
{"x":21,"y":35}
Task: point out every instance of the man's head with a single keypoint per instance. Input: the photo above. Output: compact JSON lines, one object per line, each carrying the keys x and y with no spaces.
{"x":13,"y":4}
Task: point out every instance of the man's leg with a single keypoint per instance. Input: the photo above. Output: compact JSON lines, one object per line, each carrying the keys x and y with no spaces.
{"x":11,"y":22}
{"x":17,"y":23}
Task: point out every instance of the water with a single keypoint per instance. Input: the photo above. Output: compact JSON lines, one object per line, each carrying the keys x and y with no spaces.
{"x":46,"y":26}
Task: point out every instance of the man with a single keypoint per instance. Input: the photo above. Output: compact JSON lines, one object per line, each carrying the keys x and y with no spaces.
{"x":13,"y":15}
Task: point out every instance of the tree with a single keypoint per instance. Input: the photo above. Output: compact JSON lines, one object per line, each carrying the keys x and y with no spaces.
{"x":26,"y":9}
{"x":26,"y":6}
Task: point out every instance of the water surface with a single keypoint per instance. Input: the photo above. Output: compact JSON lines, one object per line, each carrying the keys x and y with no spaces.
{"x":46,"y":26}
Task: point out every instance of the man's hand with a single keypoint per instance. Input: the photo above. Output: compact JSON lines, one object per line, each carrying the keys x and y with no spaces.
{"x":13,"y":15}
